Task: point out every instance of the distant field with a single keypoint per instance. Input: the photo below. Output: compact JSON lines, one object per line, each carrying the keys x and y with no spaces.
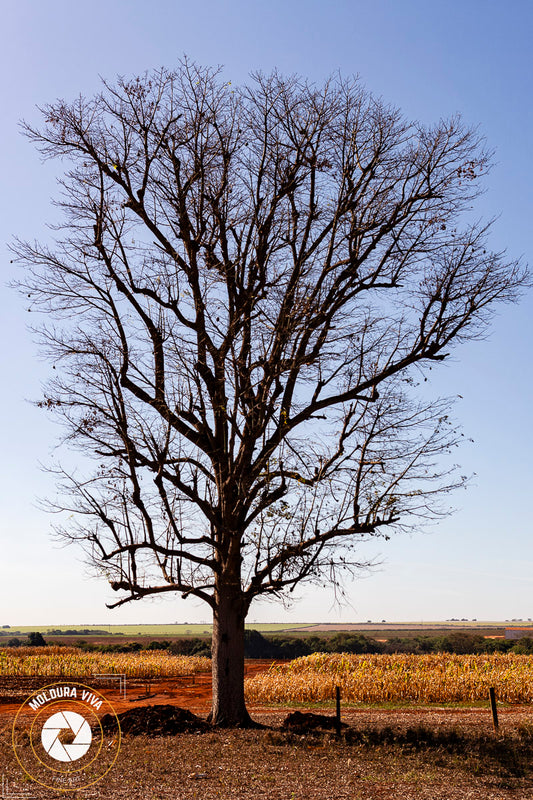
{"x":410,"y":630}
{"x":397,"y":626}
{"x":182,"y":629}
{"x":382,"y":631}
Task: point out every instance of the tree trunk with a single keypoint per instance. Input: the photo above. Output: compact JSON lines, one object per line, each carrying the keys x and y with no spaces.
{"x":228,"y":708}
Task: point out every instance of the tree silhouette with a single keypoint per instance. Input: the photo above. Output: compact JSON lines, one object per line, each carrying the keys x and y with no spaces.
{"x":36,"y":639}
{"x":246,"y":287}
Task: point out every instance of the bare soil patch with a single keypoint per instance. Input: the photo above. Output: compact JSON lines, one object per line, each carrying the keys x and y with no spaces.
{"x":393,"y":757}
{"x":164,"y":720}
{"x":189,"y":691}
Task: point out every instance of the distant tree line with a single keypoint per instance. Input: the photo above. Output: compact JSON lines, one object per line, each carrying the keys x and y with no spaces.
{"x":61,"y":632}
{"x":283,"y":647}
{"x":288,"y":647}
{"x":84,"y":632}
{"x":35,"y":639}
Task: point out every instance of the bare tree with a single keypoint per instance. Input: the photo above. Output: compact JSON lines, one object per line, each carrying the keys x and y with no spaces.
{"x":245,"y":286}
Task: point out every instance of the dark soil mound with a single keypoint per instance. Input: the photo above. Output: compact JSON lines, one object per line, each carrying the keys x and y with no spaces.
{"x":155,"y":721}
{"x":310,"y":722}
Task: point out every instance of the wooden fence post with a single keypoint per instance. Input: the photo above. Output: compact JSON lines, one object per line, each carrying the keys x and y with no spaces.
{"x":338,"y":710}
{"x":492,"y":694}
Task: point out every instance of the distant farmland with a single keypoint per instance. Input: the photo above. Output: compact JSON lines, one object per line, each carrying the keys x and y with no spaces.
{"x":381,"y":630}
{"x":182,"y":629}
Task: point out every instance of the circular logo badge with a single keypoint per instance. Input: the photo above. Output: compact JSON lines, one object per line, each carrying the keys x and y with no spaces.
{"x":66,"y":736}
{"x":66,"y":721}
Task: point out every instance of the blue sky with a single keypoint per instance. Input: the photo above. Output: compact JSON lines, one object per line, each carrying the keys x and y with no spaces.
{"x":430,"y":59}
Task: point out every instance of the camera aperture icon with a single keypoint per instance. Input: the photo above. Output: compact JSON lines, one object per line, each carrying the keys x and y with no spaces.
{"x":55,"y":728}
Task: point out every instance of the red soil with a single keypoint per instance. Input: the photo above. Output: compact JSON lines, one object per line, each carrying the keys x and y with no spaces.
{"x":192,"y":692}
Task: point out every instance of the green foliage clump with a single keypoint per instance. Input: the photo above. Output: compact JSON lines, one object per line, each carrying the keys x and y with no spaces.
{"x":36,"y":639}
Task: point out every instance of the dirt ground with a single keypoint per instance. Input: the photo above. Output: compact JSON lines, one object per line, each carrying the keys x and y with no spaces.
{"x":192,"y":691}
{"x":397,"y":754}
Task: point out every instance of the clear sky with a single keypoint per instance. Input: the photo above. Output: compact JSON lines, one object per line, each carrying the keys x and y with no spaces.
{"x":430,"y":59}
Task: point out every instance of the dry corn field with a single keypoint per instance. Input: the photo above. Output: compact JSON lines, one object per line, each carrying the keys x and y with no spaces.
{"x":70,"y":662}
{"x":432,"y":678}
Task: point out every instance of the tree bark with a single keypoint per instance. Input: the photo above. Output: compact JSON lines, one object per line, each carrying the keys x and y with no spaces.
{"x":228,"y":707}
